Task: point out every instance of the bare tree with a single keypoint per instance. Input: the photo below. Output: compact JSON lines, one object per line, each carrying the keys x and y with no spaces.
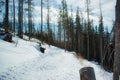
{"x":41,"y":19}
{"x":14,"y":16}
{"x":88,"y":25}
{"x":101,"y":34}
{"x":20,"y":19}
{"x":6,"y":22}
{"x":48,"y":20}
{"x":60,"y":25}
{"x":30,"y":18}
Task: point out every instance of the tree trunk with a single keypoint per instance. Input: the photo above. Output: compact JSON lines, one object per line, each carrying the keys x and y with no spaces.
{"x":29,"y":18}
{"x":88,"y":25}
{"x":101,"y":35}
{"x":117,"y":44}
{"x":7,"y":16}
{"x":20,"y":19}
{"x":14,"y":16}
{"x":41,"y":20}
{"x":48,"y":22}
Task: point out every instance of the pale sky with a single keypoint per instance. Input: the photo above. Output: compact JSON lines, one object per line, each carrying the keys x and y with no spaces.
{"x":108,"y":10}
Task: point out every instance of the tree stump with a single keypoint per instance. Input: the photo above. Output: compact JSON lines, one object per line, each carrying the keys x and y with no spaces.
{"x":87,"y":73}
{"x":42,"y":49}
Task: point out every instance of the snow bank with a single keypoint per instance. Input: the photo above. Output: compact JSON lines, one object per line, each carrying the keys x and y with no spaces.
{"x":25,"y":62}
{"x":11,"y":55}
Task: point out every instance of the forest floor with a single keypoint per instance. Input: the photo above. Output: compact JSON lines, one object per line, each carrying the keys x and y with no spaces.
{"x":24,"y":61}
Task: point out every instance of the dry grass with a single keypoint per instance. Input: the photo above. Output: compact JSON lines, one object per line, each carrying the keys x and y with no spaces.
{"x":79,"y":57}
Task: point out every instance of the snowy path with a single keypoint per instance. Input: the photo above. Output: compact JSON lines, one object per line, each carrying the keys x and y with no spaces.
{"x":30,"y":64}
{"x":55,"y":66}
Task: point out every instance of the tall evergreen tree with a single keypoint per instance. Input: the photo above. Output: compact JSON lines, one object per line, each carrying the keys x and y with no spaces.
{"x":65,"y":22}
{"x":78,"y":30}
{"x":71,"y":31}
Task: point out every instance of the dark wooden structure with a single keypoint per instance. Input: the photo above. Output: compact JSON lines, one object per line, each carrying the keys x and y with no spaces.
{"x":87,"y":73}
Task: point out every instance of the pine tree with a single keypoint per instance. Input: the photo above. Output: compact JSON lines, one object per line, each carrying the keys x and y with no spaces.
{"x":71,"y":31}
{"x":65,"y":23}
{"x":78,"y":32}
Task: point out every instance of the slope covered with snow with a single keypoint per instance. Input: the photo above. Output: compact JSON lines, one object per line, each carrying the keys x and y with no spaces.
{"x":25,"y":62}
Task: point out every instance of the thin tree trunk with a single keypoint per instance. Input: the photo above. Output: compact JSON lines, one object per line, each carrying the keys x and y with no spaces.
{"x":101,"y":34}
{"x":14,"y":16}
{"x":42,"y":20}
{"x":64,"y":23}
{"x":88,"y":25}
{"x":20,"y":19}
{"x":7,"y":16}
{"x":29,"y":18}
{"x":48,"y":22}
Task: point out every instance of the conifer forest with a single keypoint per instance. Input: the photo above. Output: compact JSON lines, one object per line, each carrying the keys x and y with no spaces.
{"x":72,"y":28}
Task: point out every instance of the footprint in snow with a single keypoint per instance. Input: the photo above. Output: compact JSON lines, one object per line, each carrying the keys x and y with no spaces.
{"x":3,"y":77}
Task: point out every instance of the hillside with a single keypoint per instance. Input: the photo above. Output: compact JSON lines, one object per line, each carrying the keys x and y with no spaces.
{"x":26,"y":62}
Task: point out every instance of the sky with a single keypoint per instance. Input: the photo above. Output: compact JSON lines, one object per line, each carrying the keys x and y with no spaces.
{"x":108,"y":10}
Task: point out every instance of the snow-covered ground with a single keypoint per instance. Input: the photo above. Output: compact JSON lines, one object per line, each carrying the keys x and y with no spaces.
{"x":26,"y":62}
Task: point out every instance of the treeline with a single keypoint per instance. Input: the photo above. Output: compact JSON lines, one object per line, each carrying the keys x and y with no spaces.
{"x":15,"y":19}
{"x":78,"y":34}
{"x":94,"y":43}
